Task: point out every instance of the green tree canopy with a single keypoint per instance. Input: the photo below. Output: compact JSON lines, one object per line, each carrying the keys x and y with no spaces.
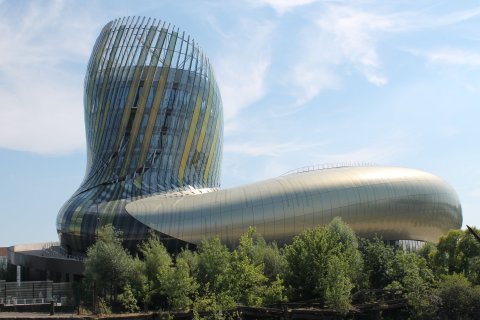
{"x":458,"y":298}
{"x":238,"y":276}
{"x":166,"y":285}
{"x":108,"y":266}
{"x":324,"y":263}
{"x":411,"y":274}
{"x":378,"y":259}
{"x":458,"y":252}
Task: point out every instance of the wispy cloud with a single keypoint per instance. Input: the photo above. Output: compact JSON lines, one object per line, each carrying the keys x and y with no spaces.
{"x":453,"y":56}
{"x":41,"y":49}
{"x":315,"y":70}
{"x":339,"y":36}
{"x":435,"y":21}
{"x":461,"y":65}
{"x":41,"y":113}
{"x":44,"y":35}
{"x":242,"y":66}
{"x":281,"y":6}
{"x":374,"y":154}
{"x":268,"y":149}
{"x":344,"y":36}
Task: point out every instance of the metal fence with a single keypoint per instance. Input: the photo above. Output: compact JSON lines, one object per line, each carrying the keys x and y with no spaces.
{"x":35,"y":292}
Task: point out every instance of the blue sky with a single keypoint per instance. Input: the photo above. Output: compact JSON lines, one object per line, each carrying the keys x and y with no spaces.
{"x":303,"y":82}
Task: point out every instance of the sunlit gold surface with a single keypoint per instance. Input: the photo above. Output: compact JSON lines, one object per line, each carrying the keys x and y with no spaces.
{"x":395,"y":203}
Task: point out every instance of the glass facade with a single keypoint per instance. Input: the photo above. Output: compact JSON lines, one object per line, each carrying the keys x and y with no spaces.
{"x":153,"y":118}
{"x":154,"y":126}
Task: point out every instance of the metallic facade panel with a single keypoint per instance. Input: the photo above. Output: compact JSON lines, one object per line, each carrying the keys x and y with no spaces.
{"x":402,"y":204}
{"x":154,"y":128}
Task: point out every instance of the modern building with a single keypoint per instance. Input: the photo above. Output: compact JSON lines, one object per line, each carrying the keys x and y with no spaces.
{"x":153,"y":116}
{"x":154,"y":126}
{"x":3,"y":258}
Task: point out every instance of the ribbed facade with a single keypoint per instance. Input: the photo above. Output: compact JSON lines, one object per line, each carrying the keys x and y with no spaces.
{"x":153,"y":118}
{"x":393,"y":203}
{"x":154,"y":126}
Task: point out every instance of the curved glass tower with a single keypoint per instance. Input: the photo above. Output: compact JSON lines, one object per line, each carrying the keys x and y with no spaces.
{"x":153,"y":118}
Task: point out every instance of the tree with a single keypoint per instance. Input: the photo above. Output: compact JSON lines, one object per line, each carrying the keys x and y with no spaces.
{"x":214,"y":306}
{"x":256,"y":248}
{"x":345,"y":234}
{"x":166,"y":285}
{"x":253,"y":287}
{"x":228,"y":278}
{"x":459,"y":299}
{"x":128,"y":299}
{"x":428,"y":251}
{"x":108,"y":266}
{"x":324,"y":263}
{"x":458,"y":252}
{"x":156,"y":263}
{"x":411,"y":274}
{"x":338,"y":285}
{"x":447,"y":259}
{"x":213,"y":266}
{"x":179,"y":285}
{"x":307,"y":260}
{"x":378,"y":262}
{"x":349,"y":241}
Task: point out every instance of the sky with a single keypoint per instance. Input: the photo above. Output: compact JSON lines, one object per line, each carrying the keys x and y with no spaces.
{"x":303,"y":83}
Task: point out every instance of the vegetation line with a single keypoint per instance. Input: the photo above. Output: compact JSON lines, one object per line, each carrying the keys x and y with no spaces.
{"x":327,"y":270}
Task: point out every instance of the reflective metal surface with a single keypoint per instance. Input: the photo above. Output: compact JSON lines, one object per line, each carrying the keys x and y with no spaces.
{"x":154,"y":127}
{"x":394,"y":203}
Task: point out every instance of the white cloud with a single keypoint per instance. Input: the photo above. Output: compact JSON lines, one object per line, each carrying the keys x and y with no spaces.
{"x":449,"y":19}
{"x":41,"y":113}
{"x":451,"y":56}
{"x":43,"y":52}
{"x":281,"y":6}
{"x":242,"y":67}
{"x":459,"y":65}
{"x":410,"y":21}
{"x":339,"y":36}
{"x":355,"y":33}
{"x":274,"y":168}
{"x":44,"y":35}
{"x":315,"y":73}
{"x":268,"y":149}
{"x":370,"y":154}
{"x":348,"y":35}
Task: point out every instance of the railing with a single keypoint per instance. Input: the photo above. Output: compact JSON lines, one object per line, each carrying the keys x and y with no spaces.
{"x":35,"y":292}
{"x":326,"y":166}
{"x":54,"y":250}
{"x":11,"y":301}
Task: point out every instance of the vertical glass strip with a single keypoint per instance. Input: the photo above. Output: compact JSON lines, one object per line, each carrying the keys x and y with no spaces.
{"x":157,"y":99}
{"x":212,"y":150}
{"x":206,"y":117}
{"x":188,"y":144}
{"x":141,"y":104}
